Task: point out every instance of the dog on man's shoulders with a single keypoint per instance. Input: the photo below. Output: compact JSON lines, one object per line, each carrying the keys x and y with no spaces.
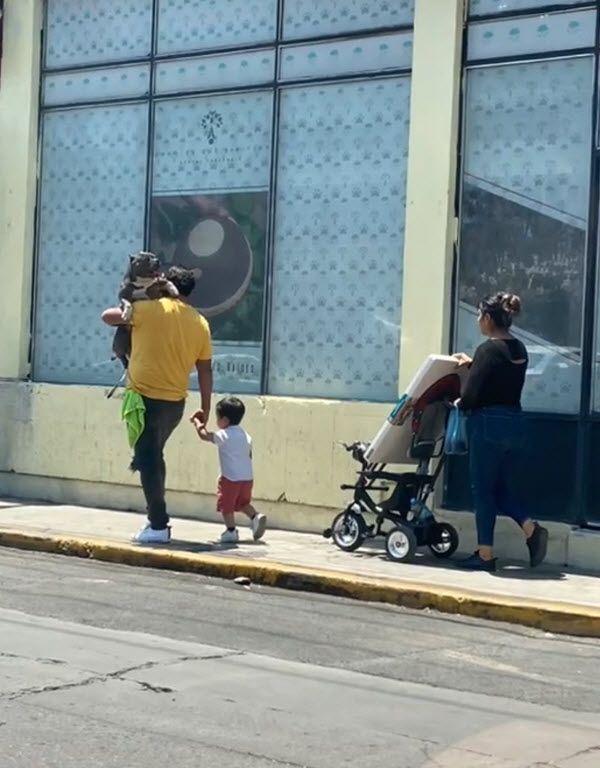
{"x":143,"y":280}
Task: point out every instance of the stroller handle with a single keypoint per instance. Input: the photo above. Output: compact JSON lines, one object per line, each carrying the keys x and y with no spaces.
{"x":357,"y":450}
{"x":347,"y":446}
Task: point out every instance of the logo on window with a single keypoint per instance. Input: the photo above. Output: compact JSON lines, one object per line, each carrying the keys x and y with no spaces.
{"x":210,"y":123}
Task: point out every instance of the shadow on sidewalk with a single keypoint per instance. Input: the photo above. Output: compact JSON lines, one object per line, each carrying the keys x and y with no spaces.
{"x":16,"y":504}
{"x":215,"y":547}
{"x":507,"y":569}
{"x":511,"y":569}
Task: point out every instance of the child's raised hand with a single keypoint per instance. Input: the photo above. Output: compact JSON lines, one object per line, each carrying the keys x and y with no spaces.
{"x":198,"y":425}
{"x":200,"y":428}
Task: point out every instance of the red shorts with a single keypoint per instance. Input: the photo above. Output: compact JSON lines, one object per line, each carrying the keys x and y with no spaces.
{"x":233,"y":496}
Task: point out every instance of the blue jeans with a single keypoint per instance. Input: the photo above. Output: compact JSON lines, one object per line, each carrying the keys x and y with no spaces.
{"x":495,"y":435}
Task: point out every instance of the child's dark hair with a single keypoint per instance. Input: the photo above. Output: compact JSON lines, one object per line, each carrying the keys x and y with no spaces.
{"x":232,"y":409}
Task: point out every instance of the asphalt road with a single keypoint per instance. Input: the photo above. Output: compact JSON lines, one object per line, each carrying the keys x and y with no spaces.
{"x":104,"y":665}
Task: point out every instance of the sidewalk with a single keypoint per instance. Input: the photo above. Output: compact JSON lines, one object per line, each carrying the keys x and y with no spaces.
{"x":547,"y":598}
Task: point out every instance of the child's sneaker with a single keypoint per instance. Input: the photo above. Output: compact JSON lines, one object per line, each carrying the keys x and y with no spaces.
{"x":258,"y":525}
{"x":230,"y":537}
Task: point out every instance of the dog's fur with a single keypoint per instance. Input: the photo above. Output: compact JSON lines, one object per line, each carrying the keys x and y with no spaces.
{"x":143,"y":280}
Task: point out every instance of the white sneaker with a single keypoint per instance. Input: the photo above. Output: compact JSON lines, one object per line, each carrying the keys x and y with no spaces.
{"x":230,"y":537}
{"x":148,"y":535}
{"x":258,"y":525}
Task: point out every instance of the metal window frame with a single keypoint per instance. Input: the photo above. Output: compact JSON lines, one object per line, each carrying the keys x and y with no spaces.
{"x":585,"y":417}
{"x":277,"y":85}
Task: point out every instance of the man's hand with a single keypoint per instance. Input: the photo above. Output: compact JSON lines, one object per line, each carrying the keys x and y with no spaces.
{"x":199,"y":419}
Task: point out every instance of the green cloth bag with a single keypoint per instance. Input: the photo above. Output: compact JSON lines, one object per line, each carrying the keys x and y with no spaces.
{"x":133,"y":413}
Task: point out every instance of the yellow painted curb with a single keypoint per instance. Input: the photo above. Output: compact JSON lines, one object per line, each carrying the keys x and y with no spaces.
{"x":560,"y":618}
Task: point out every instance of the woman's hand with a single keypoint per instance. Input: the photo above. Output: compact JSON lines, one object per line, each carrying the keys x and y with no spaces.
{"x":462,"y":359}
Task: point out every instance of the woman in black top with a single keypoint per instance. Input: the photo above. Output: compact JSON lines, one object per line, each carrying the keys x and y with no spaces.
{"x":492,"y":398}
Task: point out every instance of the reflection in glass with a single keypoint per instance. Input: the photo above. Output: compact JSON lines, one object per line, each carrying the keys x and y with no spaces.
{"x":524,"y":213}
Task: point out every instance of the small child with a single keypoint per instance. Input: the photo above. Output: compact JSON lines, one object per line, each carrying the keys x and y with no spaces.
{"x":235,"y":458}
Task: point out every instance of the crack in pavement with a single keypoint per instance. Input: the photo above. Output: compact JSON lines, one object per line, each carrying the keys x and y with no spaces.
{"x":40,"y":660}
{"x":153,"y":688}
{"x":118,"y":675}
{"x":587,"y":751}
{"x":428,"y":747}
{"x":281,"y":763}
{"x":583,"y":752}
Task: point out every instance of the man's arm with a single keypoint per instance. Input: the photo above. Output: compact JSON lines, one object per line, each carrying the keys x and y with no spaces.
{"x":205,"y":385}
{"x":113,"y":316}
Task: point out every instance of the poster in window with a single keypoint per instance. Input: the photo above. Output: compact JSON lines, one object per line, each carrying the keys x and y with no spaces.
{"x":222,"y":239}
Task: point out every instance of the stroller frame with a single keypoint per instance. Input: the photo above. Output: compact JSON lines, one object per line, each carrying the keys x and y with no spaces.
{"x":403,"y":517}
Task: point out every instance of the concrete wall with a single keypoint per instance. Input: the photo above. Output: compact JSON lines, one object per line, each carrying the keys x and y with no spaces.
{"x":67,"y":443}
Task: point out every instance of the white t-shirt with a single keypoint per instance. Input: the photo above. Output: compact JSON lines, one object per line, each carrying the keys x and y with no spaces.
{"x":235,"y":453}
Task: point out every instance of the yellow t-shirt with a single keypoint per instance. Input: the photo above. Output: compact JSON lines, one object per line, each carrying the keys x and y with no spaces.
{"x":168,"y":337}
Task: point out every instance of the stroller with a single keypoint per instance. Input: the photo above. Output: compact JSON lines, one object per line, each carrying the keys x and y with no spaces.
{"x":403,"y":517}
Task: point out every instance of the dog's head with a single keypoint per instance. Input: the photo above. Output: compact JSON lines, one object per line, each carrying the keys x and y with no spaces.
{"x":143,"y":264}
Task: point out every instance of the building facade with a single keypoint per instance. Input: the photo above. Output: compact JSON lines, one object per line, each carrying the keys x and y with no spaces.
{"x":349,"y":177}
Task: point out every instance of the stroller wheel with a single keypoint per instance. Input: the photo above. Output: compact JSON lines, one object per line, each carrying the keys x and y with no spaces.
{"x":443,"y":540}
{"x":401,"y":544}
{"x":348,"y":531}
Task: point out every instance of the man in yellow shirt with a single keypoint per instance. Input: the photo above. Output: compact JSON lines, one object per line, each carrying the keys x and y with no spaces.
{"x":168,"y":338}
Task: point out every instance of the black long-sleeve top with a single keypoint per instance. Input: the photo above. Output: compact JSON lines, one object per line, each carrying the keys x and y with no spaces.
{"x":496,"y":375}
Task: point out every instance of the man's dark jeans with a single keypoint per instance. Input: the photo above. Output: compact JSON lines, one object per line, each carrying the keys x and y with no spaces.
{"x":162,"y":416}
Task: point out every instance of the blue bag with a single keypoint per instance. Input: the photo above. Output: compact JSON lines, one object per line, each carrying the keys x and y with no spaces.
{"x":457,"y":440}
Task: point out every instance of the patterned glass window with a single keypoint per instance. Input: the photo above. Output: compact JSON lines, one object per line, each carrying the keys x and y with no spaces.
{"x":91,"y":217}
{"x":524,"y":215}
{"x":491,"y":7}
{"x":314,"y":18}
{"x":532,"y":34}
{"x":339,"y":235}
{"x":344,"y":57}
{"x":200,"y":79}
{"x":62,"y":88}
{"x":198,"y":25}
{"x":206,"y":73}
{"x":210,"y":199}
{"x":97,"y":31}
